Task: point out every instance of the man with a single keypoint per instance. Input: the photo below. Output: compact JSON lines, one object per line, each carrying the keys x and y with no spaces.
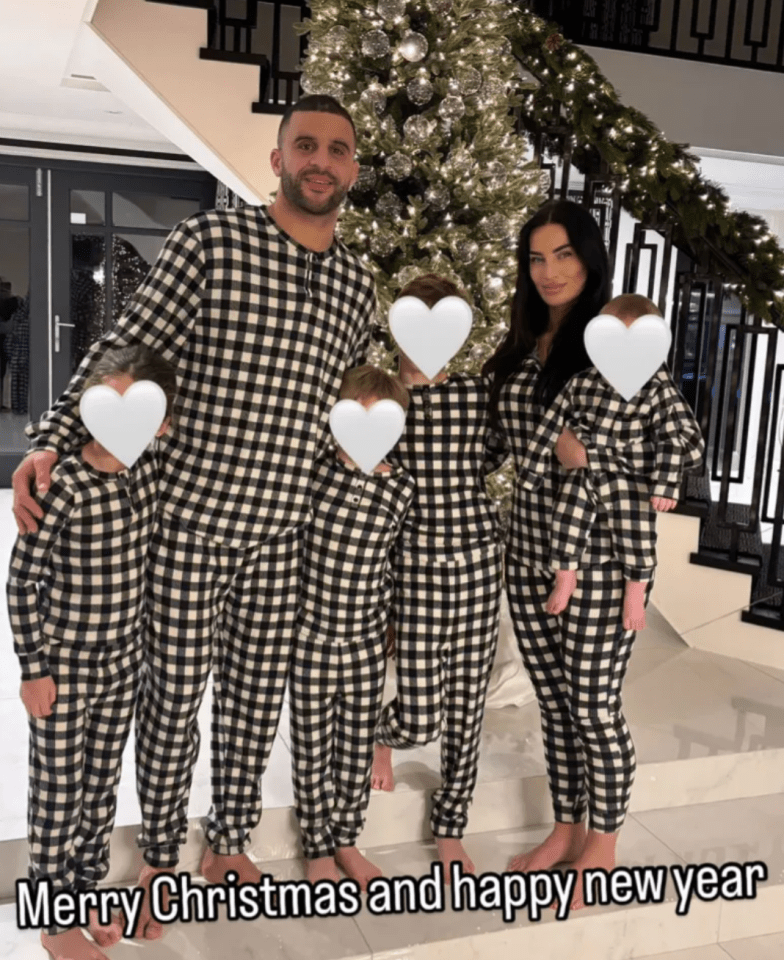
{"x":261,"y":310}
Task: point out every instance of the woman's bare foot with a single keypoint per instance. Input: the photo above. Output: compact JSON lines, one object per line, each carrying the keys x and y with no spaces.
{"x":322,"y":868}
{"x":382,"y":777}
{"x":105,"y":935}
{"x":565,"y":583}
{"x":451,"y":850}
{"x":563,"y":845}
{"x":147,"y":927}
{"x":598,"y":853}
{"x":215,"y":866}
{"x":354,"y":865}
{"x":71,"y":945}
{"x":634,"y":605}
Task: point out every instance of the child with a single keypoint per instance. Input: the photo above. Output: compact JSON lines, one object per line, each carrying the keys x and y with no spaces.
{"x":654,"y":436}
{"x":338,"y":666}
{"x":447,"y":585}
{"x":75,"y":596}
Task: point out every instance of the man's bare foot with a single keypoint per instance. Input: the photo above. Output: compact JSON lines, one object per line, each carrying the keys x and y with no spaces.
{"x":563,"y":845}
{"x":105,"y":935}
{"x":147,"y":927}
{"x":71,"y":945}
{"x":322,"y":868}
{"x":598,"y":853}
{"x":354,"y":865}
{"x":634,"y":605}
{"x":565,"y":583}
{"x":215,"y":866}
{"x":451,"y":850}
{"x":382,"y":777}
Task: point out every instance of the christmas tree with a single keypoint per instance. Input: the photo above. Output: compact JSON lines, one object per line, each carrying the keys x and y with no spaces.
{"x":445,"y":183}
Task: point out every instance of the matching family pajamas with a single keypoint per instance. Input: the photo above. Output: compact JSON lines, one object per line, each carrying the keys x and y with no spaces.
{"x":656,"y":416}
{"x":75,"y":598}
{"x":339,"y":661}
{"x":447,"y":570}
{"x":577,"y":660}
{"x":261,"y":330}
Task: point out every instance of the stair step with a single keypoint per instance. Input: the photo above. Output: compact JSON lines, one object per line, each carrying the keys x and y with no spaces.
{"x":231,"y":56}
{"x":198,"y":4}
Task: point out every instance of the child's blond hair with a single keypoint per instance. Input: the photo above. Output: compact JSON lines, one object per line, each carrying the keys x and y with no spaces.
{"x":367,"y":381}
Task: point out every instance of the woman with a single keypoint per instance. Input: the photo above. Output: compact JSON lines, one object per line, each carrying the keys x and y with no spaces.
{"x":577,"y":659}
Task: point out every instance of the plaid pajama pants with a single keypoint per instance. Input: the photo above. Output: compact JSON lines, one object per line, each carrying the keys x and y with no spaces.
{"x":75,"y":762}
{"x":577,"y":661}
{"x":336,"y":694}
{"x":446,"y":614}
{"x":231,"y":611}
{"x":630,"y":518}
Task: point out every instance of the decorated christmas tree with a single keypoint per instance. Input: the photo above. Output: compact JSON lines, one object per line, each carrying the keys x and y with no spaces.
{"x":444,"y":182}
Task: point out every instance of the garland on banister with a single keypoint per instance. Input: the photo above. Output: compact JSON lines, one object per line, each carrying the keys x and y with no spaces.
{"x":659,"y":181}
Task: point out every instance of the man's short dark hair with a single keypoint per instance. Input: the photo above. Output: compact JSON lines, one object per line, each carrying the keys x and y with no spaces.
{"x":315,"y":103}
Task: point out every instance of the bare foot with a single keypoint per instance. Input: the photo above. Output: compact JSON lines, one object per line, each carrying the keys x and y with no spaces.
{"x":564,"y":845}
{"x":215,"y":866}
{"x":105,"y":935}
{"x":146,"y":926}
{"x":634,"y":606}
{"x":382,"y":777}
{"x":451,"y":850}
{"x":322,"y":868}
{"x":598,"y":853}
{"x":71,"y":945}
{"x":354,"y":865}
{"x":565,"y":583}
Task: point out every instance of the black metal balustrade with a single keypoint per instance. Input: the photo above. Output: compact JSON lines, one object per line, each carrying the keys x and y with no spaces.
{"x":722,"y":359}
{"x":738,"y":33}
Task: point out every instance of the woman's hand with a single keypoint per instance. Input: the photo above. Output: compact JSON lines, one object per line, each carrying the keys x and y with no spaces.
{"x":38,"y":696}
{"x":570,"y":452}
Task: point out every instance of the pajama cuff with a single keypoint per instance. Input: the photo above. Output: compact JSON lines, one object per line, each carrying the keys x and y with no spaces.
{"x":564,"y":561}
{"x":670,"y":491}
{"x":638,"y":574}
{"x":34,"y":666}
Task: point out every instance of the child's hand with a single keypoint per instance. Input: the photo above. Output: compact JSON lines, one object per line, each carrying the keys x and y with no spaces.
{"x":663,"y":504}
{"x":38,"y":696}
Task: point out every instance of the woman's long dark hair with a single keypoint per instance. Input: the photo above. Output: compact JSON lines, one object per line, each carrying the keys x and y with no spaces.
{"x":530,"y":314}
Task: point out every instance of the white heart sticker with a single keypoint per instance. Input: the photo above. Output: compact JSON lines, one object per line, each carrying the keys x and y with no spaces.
{"x":367,"y":436}
{"x":627,"y":357}
{"x":125,"y":424}
{"x":430,"y":337}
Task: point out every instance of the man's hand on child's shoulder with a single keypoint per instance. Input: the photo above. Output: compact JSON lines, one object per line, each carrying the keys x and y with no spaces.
{"x":663,"y":503}
{"x":33,"y":472}
{"x":38,"y":696}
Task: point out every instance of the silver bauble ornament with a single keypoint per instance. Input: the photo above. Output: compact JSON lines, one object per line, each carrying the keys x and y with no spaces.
{"x":391,"y":9}
{"x":437,"y":197}
{"x":493,"y":290}
{"x":390,"y":206}
{"x":495,"y":173}
{"x":439,"y":7}
{"x":399,"y":166}
{"x":418,"y":130}
{"x":545,"y":181}
{"x":375,"y":97}
{"x":419,"y":91}
{"x":466,"y":250}
{"x":466,"y":82}
{"x":407,"y":274}
{"x":495,"y":227}
{"x":366,"y":178}
{"x":375,"y":43}
{"x":382,"y":243}
{"x":413,"y":47}
{"x":493,"y":88}
{"x":338,"y":38}
{"x":451,"y":108}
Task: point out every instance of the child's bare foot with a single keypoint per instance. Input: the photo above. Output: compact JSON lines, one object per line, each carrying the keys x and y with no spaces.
{"x":598,"y":853}
{"x":71,"y":945}
{"x":105,"y":935}
{"x":354,"y":865}
{"x":565,"y":583}
{"x":146,"y":926}
{"x":382,"y":777}
{"x":634,"y":606}
{"x":215,"y":866}
{"x":451,"y":850}
{"x":563,"y":845}
{"x":322,"y":868}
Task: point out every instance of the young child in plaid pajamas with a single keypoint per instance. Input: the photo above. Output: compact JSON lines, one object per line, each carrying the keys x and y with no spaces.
{"x":75,"y":595}
{"x":657,"y":415}
{"x":339,"y":658}
{"x":447,"y":570}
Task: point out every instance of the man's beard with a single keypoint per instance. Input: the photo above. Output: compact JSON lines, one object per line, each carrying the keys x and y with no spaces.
{"x":292,"y":190}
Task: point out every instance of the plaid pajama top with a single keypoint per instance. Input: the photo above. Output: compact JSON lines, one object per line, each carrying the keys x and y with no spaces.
{"x":79,"y":581}
{"x":449,"y":448}
{"x":656,"y":417}
{"x":261,"y":330}
{"x":346,"y":579}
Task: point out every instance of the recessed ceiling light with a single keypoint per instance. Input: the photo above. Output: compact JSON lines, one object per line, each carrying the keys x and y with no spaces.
{"x":112,"y":111}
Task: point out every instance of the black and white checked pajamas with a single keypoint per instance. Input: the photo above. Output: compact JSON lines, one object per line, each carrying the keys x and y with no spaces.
{"x":75,"y":599}
{"x":339,"y":661}
{"x":261,"y":330}
{"x":576,"y":660}
{"x":657,"y":415}
{"x":447,"y":569}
